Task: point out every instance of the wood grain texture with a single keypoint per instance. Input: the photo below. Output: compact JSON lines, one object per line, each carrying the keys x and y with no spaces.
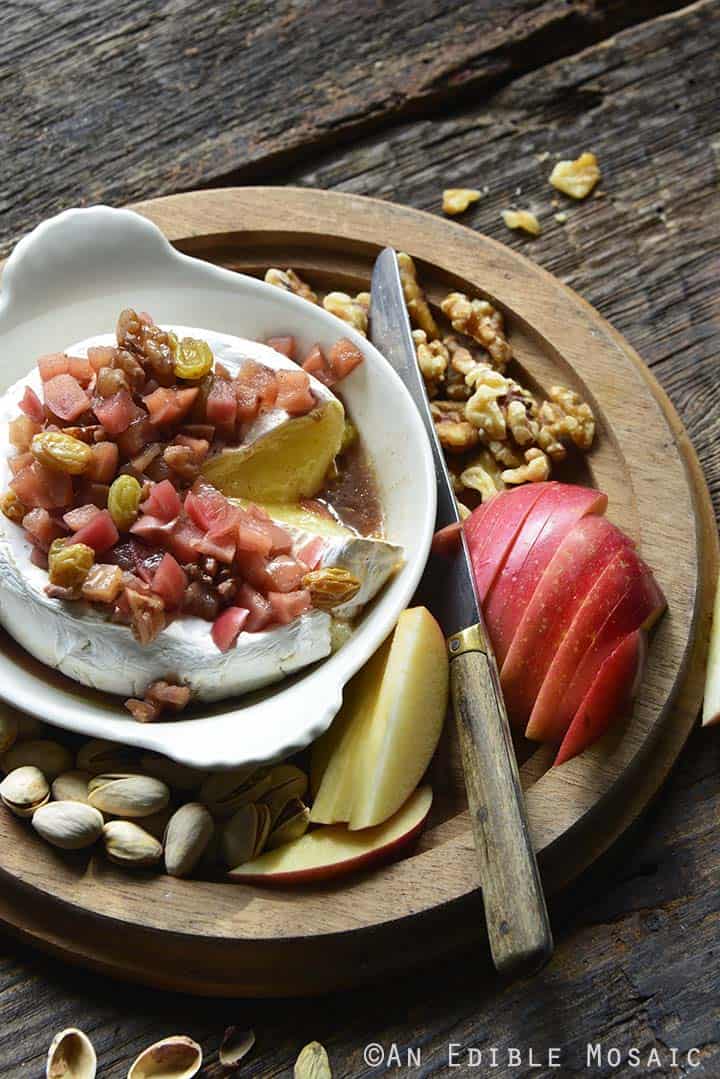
{"x":636,"y":961}
{"x":515,"y":910}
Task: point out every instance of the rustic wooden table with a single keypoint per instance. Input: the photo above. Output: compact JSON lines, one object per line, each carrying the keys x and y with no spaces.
{"x":108,"y":102}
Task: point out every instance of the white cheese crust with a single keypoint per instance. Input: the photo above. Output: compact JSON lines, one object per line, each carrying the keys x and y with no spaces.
{"x":79,"y":641}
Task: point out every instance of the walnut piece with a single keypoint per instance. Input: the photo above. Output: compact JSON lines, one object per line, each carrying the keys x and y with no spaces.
{"x":579,"y":423}
{"x":535,"y":470}
{"x":457,"y":199}
{"x":353,"y":311}
{"x":576,"y":178}
{"x":483,"y":475}
{"x":433,"y":358}
{"x":483,"y":409}
{"x":453,"y":430}
{"x":480,"y":321}
{"x":290,"y":282}
{"x":522,"y":219}
{"x":418,"y":307}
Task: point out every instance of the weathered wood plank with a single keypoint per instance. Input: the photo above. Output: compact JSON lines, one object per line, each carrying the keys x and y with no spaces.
{"x":114,"y":102}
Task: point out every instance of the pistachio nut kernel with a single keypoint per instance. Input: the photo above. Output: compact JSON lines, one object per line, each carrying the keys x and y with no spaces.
{"x":128,"y":844}
{"x":330,"y":586}
{"x":292,"y":823}
{"x":188,"y":834}
{"x":126,"y":795}
{"x":24,"y":790}
{"x":68,"y":825}
{"x":50,"y":757}
{"x":71,"y":1056}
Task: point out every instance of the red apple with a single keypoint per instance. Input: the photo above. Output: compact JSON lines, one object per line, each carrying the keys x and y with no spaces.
{"x":582,"y":555}
{"x":491,"y":530}
{"x":625,"y":597}
{"x":610,"y":694}
{"x":332,"y":850}
{"x":558,"y":508}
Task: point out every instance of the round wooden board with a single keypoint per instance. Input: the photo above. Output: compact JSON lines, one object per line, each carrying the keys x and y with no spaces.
{"x":215,"y":938}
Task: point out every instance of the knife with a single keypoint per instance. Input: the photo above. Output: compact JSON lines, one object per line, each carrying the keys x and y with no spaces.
{"x":515,"y":910}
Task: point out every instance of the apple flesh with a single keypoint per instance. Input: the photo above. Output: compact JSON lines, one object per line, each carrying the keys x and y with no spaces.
{"x":491,"y":530}
{"x":388,"y":729}
{"x":552,"y":516}
{"x":333,"y":850}
{"x":582,"y":555}
{"x":610,"y":694}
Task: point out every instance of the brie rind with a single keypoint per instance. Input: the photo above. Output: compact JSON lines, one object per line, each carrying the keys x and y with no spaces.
{"x":78,"y":640}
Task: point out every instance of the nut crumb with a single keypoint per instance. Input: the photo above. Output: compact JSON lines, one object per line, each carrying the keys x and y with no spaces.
{"x":576,"y":178}
{"x":522,"y":219}
{"x":457,"y":199}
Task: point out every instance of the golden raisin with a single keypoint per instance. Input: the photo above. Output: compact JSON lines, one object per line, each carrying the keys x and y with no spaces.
{"x":69,"y":564}
{"x":12,"y":507}
{"x":331,"y":586}
{"x":349,"y":436}
{"x":61,"y":452}
{"x":193,"y":358}
{"x":124,"y":501}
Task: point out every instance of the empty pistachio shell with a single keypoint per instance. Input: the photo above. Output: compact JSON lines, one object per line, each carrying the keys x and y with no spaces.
{"x":24,"y":790}
{"x":236,"y":1044}
{"x":50,"y":757}
{"x":188,"y":833}
{"x":180,"y":777}
{"x":239,"y":836}
{"x":128,"y":844}
{"x":176,"y":1057}
{"x":286,"y":782}
{"x":68,"y":825}
{"x":100,"y":757}
{"x":263,"y":829}
{"x":71,"y":1056}
{"x":291,"y":823}
{"x":8,"y":728}
{"x":225,"y":792}
{"x":128,"y":795}
{"x":71,"y":787}
{"x":313,"y":1063}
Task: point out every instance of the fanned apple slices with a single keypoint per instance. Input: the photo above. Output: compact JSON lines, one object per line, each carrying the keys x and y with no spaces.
{"x":567,"y":601}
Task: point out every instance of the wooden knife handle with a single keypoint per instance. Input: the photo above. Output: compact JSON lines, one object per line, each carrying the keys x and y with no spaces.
{"x":515,"y":910}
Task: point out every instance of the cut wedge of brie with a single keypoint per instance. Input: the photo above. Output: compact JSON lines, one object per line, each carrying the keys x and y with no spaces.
{"x":77,"y":640}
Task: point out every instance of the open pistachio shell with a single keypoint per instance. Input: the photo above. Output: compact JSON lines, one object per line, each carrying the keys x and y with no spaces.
{"x":68,"y":825}
{"x":313,"y":1063}
{"x":128,"y":844}
{"x":236,"y":1045}
{"x":50,"y":757}
{"x":225,"y":792}
{"x":286,"y":782}
{"x":291,"y":823}
{"x":71,"y":787}
{"x":176,"y":1057}
{"x":24,"y":790}
{"x":71,"y":1056}
{"x":99,"y":756}
{"x":188,"y":833}
{"x":126,"y":795}
{"x":263,"y":828}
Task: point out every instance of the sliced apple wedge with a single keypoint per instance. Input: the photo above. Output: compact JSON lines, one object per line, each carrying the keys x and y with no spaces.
{"x":581,"y":557}
{"x":610,"y":694}
{"x":378,"y":749}
{"x":333,"y":850}
{"x":553,"y":515}
{"x":491,"y":530}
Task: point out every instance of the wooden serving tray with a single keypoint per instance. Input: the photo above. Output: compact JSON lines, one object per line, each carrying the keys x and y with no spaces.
{"x":214,"y":938}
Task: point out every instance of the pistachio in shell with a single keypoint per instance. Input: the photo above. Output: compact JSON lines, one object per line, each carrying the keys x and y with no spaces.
{"x":71,"y":787}
{"x":9,"y":728}
{"x":99,"y":756}
{"x":313,"y":1063}
{"x":50,"y":757}
{"x":188,"y":834}
{"x":127,"y":795}
{"x":236,"y":1045}
{"x":176,"y":1057}
{"x":239,"y":836}
{"x":24,"y":790}
{"x":180,"y":777}
{"x":71,"y":1056}
{"x":129,"y":845}
{"x":68,"y":825}
{"x":286,"y":782}
{"x":291,"y":823}
{"x":225,"y":792}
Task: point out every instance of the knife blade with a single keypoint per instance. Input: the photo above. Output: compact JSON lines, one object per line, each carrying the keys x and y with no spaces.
{"x":515,"y":910}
